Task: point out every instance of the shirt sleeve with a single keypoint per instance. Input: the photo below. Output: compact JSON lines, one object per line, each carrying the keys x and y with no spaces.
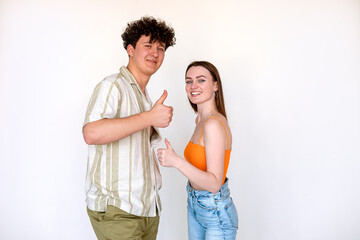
{"x":104,"y":102}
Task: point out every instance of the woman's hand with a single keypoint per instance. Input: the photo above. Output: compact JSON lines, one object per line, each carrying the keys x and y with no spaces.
{"x":167,"y":156}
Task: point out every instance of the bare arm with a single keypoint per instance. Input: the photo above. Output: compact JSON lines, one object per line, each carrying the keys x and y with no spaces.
{"x":105,"y":131}
{"x":211,"y":180}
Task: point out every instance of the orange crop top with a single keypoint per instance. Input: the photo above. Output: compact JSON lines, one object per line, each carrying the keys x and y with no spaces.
{"x":195,"y":153}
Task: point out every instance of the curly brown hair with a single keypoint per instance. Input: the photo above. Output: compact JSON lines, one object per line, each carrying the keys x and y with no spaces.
{"x":157,"y":29}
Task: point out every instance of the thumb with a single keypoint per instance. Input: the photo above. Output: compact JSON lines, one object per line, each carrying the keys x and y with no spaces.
{"x":168,"y":145}
{"x":162,"y":98}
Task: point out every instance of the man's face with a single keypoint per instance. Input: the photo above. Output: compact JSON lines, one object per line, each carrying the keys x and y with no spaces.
{"x":147,"y":56}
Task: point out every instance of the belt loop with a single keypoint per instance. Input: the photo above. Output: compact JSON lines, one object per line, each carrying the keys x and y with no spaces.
{"x":221,"y":191}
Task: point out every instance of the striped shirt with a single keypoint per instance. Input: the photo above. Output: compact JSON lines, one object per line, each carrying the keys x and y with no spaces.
{"x":125,"y":173}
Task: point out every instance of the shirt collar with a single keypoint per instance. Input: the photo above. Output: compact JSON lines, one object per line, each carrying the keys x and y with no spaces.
{"x":125,"y":72}
{"x":128,"y":75}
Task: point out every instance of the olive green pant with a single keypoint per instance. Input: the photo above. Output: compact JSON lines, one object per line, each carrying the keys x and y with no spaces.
{"x":116,"y":224}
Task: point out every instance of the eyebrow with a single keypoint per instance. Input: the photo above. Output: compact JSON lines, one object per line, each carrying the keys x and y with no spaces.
{"x":200,"y":76}
{"x":196,"y":77}
{"x":148,"y":42}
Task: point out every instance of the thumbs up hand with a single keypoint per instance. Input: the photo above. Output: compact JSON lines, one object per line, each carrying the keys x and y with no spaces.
{"x":167,"y":156}
{"x":161,"y":115}
{"x":162,"y":98}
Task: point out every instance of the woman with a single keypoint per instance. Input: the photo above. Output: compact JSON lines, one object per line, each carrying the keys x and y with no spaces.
{"x":211,"y":212}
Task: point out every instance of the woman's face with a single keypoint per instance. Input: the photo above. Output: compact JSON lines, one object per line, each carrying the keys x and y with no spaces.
{"x":200,"y":86}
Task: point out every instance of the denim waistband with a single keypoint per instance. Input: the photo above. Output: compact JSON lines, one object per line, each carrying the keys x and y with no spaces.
{"x":224,"y":190}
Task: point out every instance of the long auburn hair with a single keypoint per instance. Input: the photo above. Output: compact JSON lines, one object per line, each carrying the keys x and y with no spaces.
{"x":219,"y":96}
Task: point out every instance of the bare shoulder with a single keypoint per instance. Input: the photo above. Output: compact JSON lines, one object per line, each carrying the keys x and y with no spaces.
{"x":217,"y":127}
{"x":214,"y":127}
{"x":220,"y":119}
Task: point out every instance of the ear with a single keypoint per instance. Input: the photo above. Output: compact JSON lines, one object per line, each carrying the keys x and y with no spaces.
{"x":215,"y":86}
{"x":130,"y":50}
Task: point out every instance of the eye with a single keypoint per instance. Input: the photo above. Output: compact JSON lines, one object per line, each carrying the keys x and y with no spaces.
{"x":201,"y":80}
{"x":147,"y":45}
{"x":188,"y":82}
{"x":161,"y":49}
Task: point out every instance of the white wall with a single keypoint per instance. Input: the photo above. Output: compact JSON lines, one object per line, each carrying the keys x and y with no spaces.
{"x":291,"y":78}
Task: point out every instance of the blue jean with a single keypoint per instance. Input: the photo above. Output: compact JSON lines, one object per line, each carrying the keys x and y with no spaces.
{"x":211,"y":216}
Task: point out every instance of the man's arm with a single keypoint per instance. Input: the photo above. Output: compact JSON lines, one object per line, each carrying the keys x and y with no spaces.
{"x":106,"y":131}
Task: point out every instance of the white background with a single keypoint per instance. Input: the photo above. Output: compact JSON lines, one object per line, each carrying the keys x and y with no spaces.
{"x":291,"y":76}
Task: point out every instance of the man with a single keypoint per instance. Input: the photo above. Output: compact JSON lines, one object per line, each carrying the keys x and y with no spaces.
{"x":121,"y":128}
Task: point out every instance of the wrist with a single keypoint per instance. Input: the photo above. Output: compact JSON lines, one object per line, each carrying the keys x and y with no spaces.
{"x":178,"y":162}
{"x":146,"y":118}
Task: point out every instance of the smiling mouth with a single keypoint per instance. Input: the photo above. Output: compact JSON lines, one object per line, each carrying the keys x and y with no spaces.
{"x":152,"y":61}
{"x":195,"y":93}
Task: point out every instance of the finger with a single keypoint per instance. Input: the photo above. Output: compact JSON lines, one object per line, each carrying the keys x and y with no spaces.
{"x":168,"y":145}
{"x":162,"y":98}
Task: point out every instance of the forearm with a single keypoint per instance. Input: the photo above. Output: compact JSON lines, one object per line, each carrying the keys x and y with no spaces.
{"x":201,"y":179}
{"x":106,"y":131}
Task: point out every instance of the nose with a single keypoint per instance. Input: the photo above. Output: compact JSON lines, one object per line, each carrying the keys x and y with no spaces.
{"x":154,"y":51}
{"x":193,"y":85}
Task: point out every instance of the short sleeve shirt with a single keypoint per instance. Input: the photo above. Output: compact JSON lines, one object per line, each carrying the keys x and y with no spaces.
{"x":124,"y":173}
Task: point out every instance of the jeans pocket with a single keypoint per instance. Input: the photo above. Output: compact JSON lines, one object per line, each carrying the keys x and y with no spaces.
{"x":231,"y":213}
{"x":229,"y":202}
{"x":206,"y":202}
